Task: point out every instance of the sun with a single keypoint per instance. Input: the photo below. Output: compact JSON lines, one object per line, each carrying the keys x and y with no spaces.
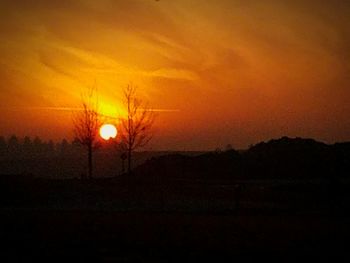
{"x":108,"y":131}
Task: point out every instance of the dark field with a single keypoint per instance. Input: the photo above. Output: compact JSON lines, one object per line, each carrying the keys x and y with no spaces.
{"x":287,"y":199}
{"x":143,"y":236}
{"x":113,"y":220}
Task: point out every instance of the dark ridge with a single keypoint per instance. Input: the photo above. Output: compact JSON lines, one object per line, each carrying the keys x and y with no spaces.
{"x":284,"y":158}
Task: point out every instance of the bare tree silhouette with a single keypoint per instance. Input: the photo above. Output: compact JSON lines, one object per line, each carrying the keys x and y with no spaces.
{"x":136,"y":127}
{"x":87,"y":123}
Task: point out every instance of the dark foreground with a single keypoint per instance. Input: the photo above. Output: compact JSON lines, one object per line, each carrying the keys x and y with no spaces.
{"x":164,"y":237}
{"x":111,"y":220}
{"x":287,"y":199}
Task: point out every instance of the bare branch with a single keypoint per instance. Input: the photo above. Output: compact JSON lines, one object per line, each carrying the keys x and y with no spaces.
{"x":136,"y":127}
{"x":87,"y":123}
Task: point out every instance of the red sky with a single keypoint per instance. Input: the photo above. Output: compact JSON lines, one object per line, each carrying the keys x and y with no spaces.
{"x":225,"y":71}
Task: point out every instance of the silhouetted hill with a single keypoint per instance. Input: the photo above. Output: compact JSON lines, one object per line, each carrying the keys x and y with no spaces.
{"x":212,"y":166}
{"x":295,"y":158}
{"x":284,"y":158}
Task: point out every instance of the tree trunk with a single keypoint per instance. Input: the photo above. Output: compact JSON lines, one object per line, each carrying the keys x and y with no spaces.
{"x":90,"y":161}
{"x":129,"y":161}
{"x":123,"y":166}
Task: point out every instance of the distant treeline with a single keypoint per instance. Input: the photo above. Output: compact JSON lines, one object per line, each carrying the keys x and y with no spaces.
{"x":64,"y":159}
{"x":16,"y":147}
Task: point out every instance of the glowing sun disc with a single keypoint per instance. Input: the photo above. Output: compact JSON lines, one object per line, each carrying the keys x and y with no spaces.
{"x":108,"y":131}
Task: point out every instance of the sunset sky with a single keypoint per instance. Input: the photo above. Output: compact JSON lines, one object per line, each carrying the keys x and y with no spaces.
{"x":220,"y":72}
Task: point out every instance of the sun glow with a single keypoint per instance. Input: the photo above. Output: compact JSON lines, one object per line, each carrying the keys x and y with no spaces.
{"x":108,"y":131}
{"x":108,"y":109}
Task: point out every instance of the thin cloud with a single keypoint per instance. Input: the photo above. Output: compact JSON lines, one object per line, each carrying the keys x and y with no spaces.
{"x":161,"y":110}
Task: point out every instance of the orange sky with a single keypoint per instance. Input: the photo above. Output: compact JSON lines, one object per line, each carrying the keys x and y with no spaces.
{"x":228,"y":71}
